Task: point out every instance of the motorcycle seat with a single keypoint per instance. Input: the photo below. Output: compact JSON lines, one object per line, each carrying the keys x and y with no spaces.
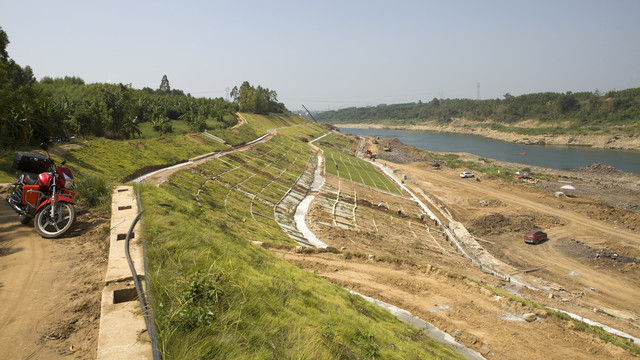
{"x":30,"y":178}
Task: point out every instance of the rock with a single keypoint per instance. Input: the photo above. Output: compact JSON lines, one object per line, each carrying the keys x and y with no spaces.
{"x":299,"y":249}
{"x":258,"y":243}
{"x":371,"y":257}
{"x":550,"y":296}
{"x":540,"y":313}
{"x":529,"y":317}
{"x":485,"y":349}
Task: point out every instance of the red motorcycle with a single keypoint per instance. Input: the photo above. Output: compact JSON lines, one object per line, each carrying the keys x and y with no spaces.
{"x":42,"y":193}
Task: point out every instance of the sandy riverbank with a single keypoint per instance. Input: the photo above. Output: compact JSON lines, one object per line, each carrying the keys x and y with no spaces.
{"x":600,"y":141}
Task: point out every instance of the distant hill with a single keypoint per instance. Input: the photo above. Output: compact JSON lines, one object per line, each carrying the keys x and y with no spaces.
{"x":584,"y":111}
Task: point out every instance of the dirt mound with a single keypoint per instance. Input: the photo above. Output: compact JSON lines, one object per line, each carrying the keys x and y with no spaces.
{"x":598,"y":168}
{"x":401,"y":153}
{"x":496,"y":224}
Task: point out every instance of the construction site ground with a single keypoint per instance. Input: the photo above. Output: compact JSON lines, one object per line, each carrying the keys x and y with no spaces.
{"x":50,"y":290}
{"x":589,"y":265}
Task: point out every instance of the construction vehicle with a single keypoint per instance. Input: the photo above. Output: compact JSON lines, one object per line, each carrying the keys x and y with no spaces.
{"x":387,"y":147}
{"x":369,"y":155}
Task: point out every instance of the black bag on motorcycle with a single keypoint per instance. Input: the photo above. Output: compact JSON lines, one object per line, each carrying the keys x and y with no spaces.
{"x":32,"y":163}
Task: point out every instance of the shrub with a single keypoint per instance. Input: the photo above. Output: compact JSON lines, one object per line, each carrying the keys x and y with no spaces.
{"x":93,"y":191}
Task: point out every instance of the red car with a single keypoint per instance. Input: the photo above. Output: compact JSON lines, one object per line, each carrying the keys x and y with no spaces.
{"x":535,"y":236}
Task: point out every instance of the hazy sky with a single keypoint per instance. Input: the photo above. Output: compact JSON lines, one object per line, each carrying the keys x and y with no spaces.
{"x":334,"y":54}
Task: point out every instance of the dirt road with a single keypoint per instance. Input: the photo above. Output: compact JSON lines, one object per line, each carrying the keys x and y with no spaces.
{"x":50,"y":290}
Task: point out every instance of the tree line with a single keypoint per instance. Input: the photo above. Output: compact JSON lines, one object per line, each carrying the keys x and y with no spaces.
{"x":591,"y":109}
{"x":257,"y":100}
{"x":33,"y":111}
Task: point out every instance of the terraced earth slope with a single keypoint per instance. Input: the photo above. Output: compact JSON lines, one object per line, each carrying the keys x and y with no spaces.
{"x":218,"y":293}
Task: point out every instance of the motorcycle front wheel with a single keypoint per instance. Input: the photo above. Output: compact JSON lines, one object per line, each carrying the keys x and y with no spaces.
{"x":53,"y":226}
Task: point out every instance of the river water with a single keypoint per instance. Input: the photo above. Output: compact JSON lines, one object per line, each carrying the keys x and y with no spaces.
{"x":548,"y":156}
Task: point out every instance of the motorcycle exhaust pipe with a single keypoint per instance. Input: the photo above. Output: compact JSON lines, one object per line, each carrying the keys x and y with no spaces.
{"x":14,"y":205}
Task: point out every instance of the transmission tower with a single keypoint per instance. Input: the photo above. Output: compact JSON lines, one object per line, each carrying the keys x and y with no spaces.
{"x":478,"y":95}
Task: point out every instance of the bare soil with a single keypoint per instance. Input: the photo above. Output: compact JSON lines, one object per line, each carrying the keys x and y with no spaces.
{"x":589,"y":265}
{"x":50,"y":289}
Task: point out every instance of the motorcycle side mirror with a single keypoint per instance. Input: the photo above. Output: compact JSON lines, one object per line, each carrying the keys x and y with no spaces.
{"x":44,"y":146}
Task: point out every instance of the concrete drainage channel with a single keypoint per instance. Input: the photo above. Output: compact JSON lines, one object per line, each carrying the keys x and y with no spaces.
{"x":123,"y":332}
{"x":428,"y":328}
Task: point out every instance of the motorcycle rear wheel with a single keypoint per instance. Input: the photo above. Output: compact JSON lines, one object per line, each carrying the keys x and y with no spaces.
{"x":52,"y":227}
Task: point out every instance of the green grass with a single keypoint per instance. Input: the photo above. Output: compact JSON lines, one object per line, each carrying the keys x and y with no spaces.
{"x":93,"y":191}
{"x":337,"y":149}
{"x":338,"y":142}
{"x":7,"y":175}
{"x":357,"y":170}
{"x":115,"y":159}
{"x":484,"y":166}
{"x":215,"y":295}
{"x":262,"y":123}
{"x":181,"y":127}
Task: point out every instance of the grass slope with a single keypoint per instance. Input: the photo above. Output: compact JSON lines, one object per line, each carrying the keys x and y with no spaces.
{"x":115,"y":159}
{"x":216,"y":295}
{"x":338,"y":162}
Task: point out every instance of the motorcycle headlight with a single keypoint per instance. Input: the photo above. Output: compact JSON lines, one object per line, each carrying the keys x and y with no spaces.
{"x":68,"y":181}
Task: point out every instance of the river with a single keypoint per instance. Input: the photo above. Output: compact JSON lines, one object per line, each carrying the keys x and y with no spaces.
{"x":548,"y":156}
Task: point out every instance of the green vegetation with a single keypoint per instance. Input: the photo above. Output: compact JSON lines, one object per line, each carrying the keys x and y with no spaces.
{"x":574,"y":113}
{"x":215,"y":295}
{"x":340,"y":163}
{"x":93,"y":191}
{"x":257,"y":100}
{"x":34,"y":111}
{"x":116,"y":159}
{"x":453,"y":161}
